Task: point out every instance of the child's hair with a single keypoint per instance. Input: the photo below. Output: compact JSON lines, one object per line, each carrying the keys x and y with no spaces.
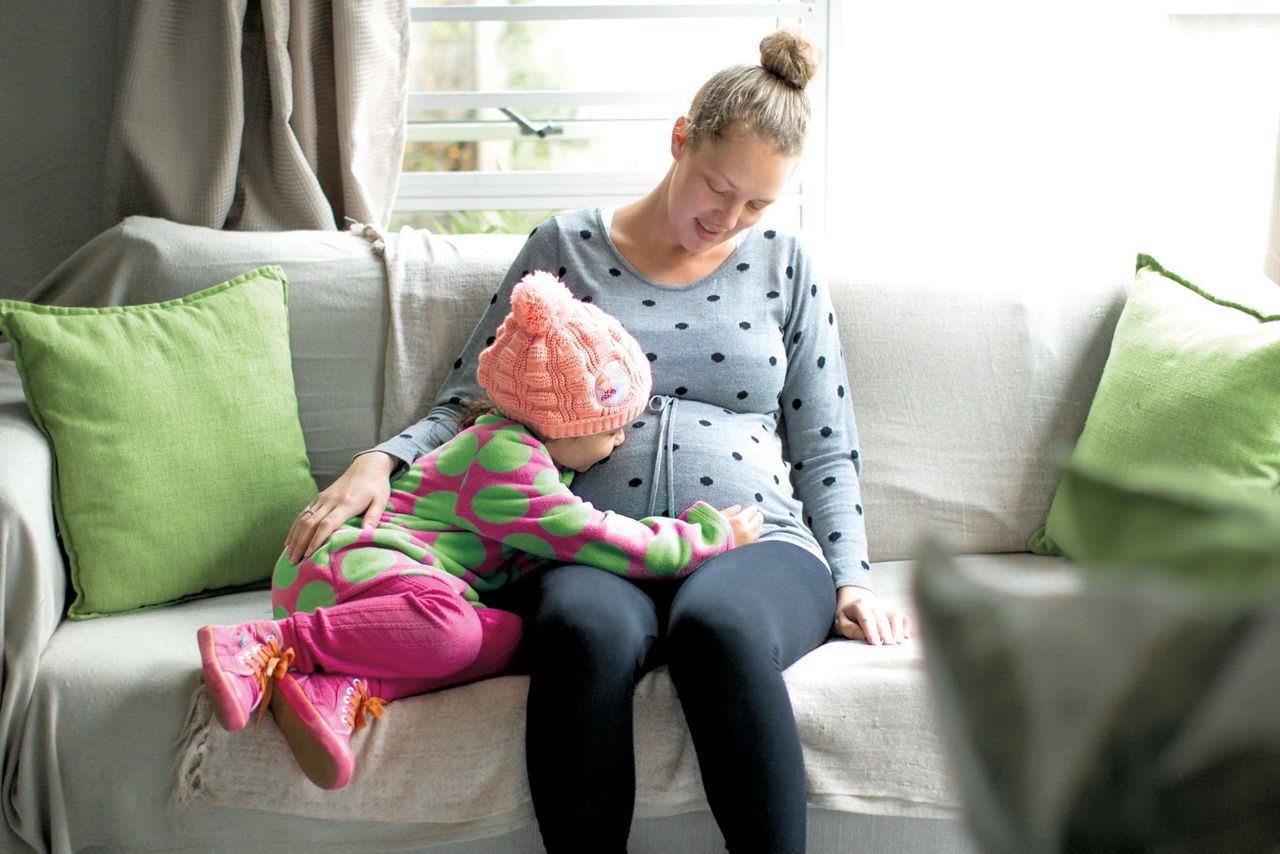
{"x":472,"y":409}
{"x":767,"y":100}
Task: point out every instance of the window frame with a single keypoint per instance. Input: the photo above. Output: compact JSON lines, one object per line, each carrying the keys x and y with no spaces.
{"x":1213,"y":8}
{"x":480,"y":191}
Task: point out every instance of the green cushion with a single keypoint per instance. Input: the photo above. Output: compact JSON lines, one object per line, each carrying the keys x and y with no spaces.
{"x":1207,"y":533}
{"x":180,"y":462}
{"x":1192,"y":384}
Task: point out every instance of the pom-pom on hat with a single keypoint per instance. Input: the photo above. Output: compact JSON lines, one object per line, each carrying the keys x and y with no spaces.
{"x":561,"y":366}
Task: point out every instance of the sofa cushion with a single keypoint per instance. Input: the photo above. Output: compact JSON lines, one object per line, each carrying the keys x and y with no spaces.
{"x":179,"y":461}
{"x":857,"y":707}
{"x":1192,"y":383}
{"x":1219,"y":537}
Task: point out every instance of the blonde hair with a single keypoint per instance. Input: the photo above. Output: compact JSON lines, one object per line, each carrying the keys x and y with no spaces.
{"x":767,"y":100}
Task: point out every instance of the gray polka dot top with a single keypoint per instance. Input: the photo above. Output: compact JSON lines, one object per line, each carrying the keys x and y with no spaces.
{"x":751,"y":402}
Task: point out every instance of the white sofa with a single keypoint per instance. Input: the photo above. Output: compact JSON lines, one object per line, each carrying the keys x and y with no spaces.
{"x":962,"y":397}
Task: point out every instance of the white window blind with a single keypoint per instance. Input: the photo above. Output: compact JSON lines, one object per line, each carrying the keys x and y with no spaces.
{"x":520,"y":109}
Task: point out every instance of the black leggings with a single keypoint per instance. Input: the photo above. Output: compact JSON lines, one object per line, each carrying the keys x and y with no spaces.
{"x":726,"y":634}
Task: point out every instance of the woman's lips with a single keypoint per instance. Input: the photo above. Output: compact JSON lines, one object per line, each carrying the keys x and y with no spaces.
{"x":707,"y":233}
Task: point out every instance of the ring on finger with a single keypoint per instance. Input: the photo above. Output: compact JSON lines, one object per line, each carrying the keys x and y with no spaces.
{"x":306,"y":511}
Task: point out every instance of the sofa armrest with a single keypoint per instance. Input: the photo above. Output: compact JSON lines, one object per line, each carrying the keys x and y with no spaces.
{"x":33,"y":578}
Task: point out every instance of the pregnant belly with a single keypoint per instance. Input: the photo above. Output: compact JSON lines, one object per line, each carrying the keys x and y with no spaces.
{"x":707,"y":455}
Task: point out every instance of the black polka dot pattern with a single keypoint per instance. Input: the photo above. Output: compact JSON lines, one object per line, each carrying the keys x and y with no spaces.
{"x":745,"y":351}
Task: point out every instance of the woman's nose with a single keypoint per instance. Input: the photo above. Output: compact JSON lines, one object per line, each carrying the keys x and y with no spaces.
{"x":729,"y":216}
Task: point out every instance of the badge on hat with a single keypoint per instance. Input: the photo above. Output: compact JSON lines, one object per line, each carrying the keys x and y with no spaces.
{"x":612,"y":384}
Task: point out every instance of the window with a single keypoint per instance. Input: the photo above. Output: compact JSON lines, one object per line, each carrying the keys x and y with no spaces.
{"x":520,"y":109}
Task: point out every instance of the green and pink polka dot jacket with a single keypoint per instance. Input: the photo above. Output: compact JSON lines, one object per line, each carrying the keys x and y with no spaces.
{"x":484,"y":508}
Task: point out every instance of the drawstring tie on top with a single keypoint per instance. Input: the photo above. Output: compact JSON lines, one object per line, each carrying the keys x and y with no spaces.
{"x":665,"y":408}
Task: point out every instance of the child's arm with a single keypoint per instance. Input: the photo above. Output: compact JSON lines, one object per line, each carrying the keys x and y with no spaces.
{"x":532,"y":511}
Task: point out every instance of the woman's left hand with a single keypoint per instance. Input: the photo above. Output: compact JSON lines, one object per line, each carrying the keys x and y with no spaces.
{"x":860,"y":616}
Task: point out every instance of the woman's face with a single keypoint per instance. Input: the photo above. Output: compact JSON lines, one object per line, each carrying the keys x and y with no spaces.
{"x":721,"y":187}
{"x":582,"y":452}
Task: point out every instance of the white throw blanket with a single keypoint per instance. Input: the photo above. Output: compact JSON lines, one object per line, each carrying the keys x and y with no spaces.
{"x":455,"y":758}
{"x":431,"y":314}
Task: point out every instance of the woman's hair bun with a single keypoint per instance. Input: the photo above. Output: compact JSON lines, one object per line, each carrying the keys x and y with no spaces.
{"x":790,"y":57}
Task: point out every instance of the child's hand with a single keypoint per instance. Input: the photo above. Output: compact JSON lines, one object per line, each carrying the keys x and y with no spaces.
{"x":746,"y":524}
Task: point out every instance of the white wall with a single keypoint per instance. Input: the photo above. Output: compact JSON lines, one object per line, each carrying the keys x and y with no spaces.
{"x":989,"y":138}
{"x":1041,"y":141}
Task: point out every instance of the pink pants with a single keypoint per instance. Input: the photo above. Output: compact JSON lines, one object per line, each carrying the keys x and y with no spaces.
{"x":406,"y":635}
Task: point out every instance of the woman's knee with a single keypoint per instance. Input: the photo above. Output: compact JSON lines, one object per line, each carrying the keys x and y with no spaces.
{"x":770,"y":602}
{"x":715,"y":637}
{"x":586,"y":614}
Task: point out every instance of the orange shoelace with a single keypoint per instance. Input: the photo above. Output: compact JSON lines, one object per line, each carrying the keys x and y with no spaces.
{"x":270,"y":666}
{"x":363,"y":704}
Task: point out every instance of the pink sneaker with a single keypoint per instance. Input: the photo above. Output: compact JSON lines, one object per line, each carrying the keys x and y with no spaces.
{"x":241,"y":663}
{"x":317,"y":713}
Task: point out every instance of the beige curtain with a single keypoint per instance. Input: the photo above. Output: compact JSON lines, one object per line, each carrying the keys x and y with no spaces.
{"x":258,"y":114}
{"x":1271,"y":264}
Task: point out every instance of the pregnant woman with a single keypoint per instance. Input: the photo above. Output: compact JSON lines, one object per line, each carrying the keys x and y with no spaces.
{"x":750,"y":407}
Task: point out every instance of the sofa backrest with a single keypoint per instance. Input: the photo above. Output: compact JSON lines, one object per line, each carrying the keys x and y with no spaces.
{"x":337,"y":309}
{"x":962,"y":396}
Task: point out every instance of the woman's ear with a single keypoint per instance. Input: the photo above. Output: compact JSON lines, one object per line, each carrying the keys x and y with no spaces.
{"x":679,"y":136}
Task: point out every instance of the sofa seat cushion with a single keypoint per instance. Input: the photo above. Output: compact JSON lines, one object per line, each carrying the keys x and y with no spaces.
{"x":858,"y":708}
{"x":126,"y":692}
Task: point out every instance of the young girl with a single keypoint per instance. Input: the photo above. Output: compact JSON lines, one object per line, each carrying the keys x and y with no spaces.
{"x":377,"y":614}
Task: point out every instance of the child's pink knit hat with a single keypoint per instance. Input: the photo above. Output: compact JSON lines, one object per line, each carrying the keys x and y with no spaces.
{"x":561,"y":366}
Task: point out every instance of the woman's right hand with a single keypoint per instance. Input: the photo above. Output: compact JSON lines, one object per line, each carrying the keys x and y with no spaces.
{"x":362,"y":489}
{"x":745,"y":524}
